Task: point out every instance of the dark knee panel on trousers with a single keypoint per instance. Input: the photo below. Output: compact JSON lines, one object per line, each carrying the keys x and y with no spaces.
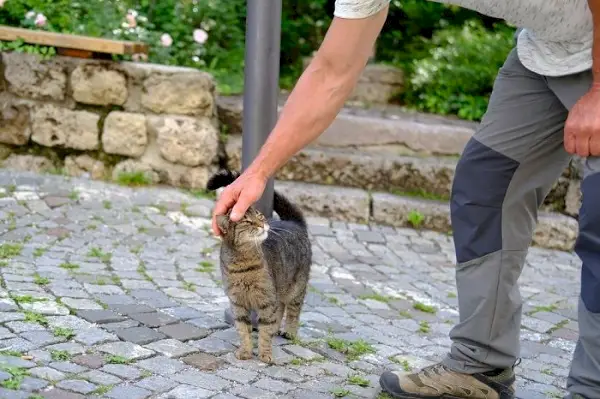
{"x":588,"y":242}
{"x":480,"y":184}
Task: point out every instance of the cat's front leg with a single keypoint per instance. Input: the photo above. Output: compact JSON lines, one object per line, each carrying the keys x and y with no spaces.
{"x":267,"y":327}
{"x":243,"y":324}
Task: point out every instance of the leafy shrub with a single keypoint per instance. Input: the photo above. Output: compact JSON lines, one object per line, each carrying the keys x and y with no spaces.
{"x":458,"y":74}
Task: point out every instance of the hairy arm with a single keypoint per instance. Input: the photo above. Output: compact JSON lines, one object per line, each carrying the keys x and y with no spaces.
{"x":321,"y":90}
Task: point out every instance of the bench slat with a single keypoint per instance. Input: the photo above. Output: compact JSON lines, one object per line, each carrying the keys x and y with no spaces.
{"x":76,"y":42}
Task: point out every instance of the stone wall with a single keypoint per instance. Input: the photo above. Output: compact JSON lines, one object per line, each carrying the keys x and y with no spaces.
{"x":104,"y":119}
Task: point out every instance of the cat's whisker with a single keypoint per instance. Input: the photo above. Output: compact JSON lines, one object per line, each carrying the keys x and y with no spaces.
{"x":280,"y":229}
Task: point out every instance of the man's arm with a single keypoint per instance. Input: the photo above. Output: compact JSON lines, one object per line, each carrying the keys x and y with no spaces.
{"x":321,"y":91}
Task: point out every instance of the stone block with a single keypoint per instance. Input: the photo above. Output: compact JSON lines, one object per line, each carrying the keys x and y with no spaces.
{"x":31,"y":163}
{"x":98,"y":85}
{"x":29,"y":76}
{"x":134,"y":166}
{"x":139,"y":335}
{"x":184,"y":331}
{"x":14,"y":124}
{"x":125,"y":134}
{"x":185,"y":93}
{"x":555,"y":231}
{"x":185,"y":140}
{"x":85,"y":164}
{"x":60,"y":127}
{"x":393,"y":210}
{"x":347,"y":204}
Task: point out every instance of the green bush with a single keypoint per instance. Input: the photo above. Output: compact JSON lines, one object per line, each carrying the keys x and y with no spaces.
{"x":458,"y":74}
{"x":450,"y":54}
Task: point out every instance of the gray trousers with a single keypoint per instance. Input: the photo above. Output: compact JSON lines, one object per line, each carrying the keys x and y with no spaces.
{"x":503,"y":175}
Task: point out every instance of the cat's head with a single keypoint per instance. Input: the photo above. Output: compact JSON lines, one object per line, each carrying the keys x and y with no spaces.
{"x":251,"y":228}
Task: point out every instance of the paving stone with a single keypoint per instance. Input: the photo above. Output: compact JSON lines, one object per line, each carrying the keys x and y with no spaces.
{"x":101,"y":316}
{"x":90,"y":361}
{"x":155,"y":319}
{"x":127,"y":350}
{"x":100,"y":378}
{"x":79,"y":386}
{"x":94,"y":336}
{"x":129,"y":392}
{"x":157,"y":384}
{"x":213,"y":345}
{"x":187,"y":392}
{"x":202,"y":380}
{"x":68,"y":367}
{"x":171,"y":348}
{"x":139,"y":335}
{"x":130,"y":309}
{"x":162,"y":365}
{"x":47,"y":373}
{"x":61,"y":394}
{"x":123,"y":371}
{"x":184,"y":331}
{"x":250,"y":392}
{"x":204,"y":361}
{"x":33,"y":384}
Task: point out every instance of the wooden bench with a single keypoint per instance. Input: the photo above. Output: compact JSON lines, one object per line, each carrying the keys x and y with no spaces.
{"x":74,"y":45}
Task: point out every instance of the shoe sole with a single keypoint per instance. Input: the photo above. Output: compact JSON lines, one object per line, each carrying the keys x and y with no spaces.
{"x":415,"y":395}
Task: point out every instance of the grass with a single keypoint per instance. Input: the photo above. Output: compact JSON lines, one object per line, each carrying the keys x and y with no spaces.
{"x":63,"y":332}
{"x":102,"y":390}
{"x":17,"y":374}
{"x":69,"y":266}
{"x":403,"y":363}
{"x":333,"y":300}
{"x":12,"y":353}
{"x":133,"y":179}
{"x":549,"y":308}
{"x":98,"y":253}
{"x":74,"y":195}
{"x":340,"y":392}
{"x":451,"y":295}
{"x":39,"y":280}
{"x":116,"y":359}
{"x":420,"y":194}
{"x":352,"y":349}
{"x":421,"y":307}
{"x":10,"y":250}
{"x":142,"y":271}
{"x":20,"y":299}
{"x":415,"y":218}
{"x":359,"y":381}
{"x":557,"y":326}
{"x":189,"y":286}
{"x":424,"y":327}
{"x":116,"y":280}
{"x":298,"y":361}
{"x":406,"y":314}
{"x":383,"y":395}
{"x":211,"y":195}
{"x":205,"y":267}
{"x":107,"y":204}
{"x":375,"y":297}
{"x":60,"y":356}
{"x":32,"y":317}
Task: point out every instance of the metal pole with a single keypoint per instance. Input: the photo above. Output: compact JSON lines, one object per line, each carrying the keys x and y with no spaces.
{"x":261,"y":83}
{"x":261,"y":89}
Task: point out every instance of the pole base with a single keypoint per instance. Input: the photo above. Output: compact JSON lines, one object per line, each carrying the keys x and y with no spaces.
{"x":229,"y":319}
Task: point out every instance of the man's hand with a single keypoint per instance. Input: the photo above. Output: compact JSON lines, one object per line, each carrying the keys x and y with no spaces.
{"x":582,"y":129}
{"x":241,"y":194}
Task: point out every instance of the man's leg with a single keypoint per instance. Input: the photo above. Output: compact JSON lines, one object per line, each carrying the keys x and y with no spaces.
{"x":584,"y":377}
{"x":503,"y":175}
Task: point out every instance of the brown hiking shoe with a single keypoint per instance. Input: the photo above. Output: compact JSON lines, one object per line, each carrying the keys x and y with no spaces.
{"x":439,"y":382}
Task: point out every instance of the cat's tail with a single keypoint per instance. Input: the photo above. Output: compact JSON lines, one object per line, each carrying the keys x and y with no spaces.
{"x":284,"y":208}
{"x":287,"y":211}
{"x":221,"y":179}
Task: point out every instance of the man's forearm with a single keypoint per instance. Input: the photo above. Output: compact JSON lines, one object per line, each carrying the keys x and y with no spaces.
{"x":312,"y":106}
{"x":321,"y":90}
{"x":594,"y":6}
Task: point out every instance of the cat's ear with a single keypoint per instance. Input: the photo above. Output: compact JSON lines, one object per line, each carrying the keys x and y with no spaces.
{"x":223,"y":223}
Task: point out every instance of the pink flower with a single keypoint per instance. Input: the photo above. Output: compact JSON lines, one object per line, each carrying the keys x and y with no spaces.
{"x":200,"y":36}
{"x":2,"y":3}
{"x":40,"y":20}
{"x":166,"y":40}
{"x":131,"y":21}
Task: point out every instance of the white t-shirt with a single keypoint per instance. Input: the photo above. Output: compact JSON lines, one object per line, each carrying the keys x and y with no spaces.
{"x":556,"y":39}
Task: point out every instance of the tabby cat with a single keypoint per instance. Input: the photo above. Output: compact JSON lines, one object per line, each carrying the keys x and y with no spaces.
{"x":265,"y":267}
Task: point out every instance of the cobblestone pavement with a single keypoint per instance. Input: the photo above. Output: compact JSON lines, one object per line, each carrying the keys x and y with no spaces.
{"x":115,"y":292}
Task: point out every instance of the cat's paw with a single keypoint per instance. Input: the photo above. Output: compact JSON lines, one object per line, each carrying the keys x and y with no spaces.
{"x":243,"y":354}
{"x":266,"y":357}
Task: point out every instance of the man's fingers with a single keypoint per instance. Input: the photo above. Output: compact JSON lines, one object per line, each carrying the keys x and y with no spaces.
{"x":225,"y":201}
{"x":595,"y":145}
{"x":242,"y":205}
{"x":570,"y":144}
{"x":582,"y":145}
